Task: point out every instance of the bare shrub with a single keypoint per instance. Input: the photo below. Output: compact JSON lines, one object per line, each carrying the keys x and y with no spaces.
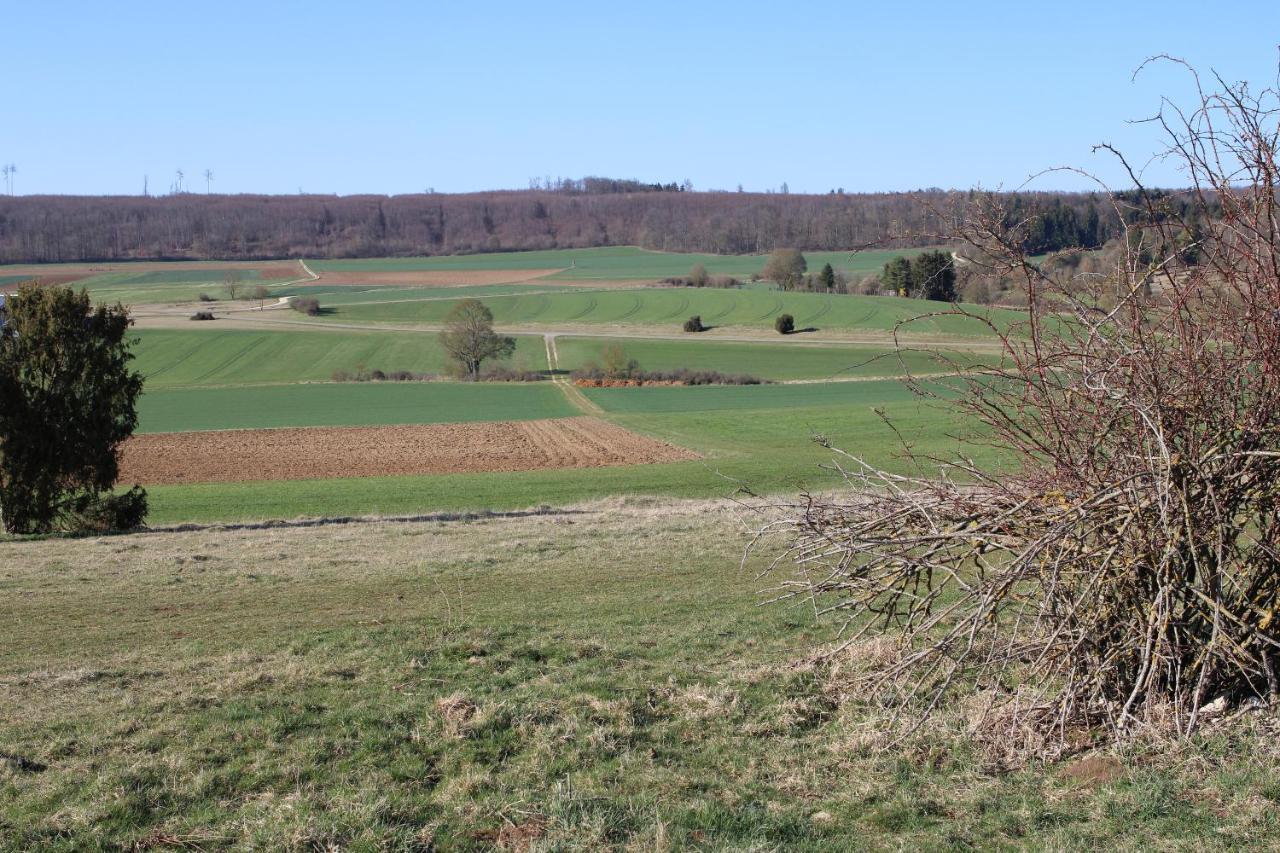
{"x":1126,"y":574}
{"x":202,"y":315}
{"x":694,"y":324}
{"x":308,"y":305}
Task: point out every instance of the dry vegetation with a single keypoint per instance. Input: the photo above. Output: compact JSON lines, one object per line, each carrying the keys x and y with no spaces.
{"x":1126,"y":579}
{"x":596,"y":678}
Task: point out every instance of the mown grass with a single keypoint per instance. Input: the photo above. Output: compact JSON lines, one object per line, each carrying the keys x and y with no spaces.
{"x":614,"y":263}
{"x":347,"y":404}
{"x":172,"y":358}
{"x":601,"y":679}
{"x":776,"y":361}
{"x":670,"y":307}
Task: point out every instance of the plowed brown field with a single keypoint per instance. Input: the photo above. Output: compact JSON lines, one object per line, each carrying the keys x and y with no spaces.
{"x":318,"y":453}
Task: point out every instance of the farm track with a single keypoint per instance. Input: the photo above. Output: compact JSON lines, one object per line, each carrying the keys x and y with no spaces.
{"x":576,"y":398}
{"x":227,"y":456}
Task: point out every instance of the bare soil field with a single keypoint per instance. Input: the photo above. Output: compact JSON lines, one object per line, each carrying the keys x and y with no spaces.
{"x":432,"y":278}
{"x":229,"y":456}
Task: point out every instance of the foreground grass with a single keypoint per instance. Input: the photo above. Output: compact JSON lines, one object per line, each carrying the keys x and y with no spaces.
{"x":599,"y":679}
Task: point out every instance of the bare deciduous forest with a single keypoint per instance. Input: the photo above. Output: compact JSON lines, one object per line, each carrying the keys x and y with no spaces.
{"x":36,"y":229}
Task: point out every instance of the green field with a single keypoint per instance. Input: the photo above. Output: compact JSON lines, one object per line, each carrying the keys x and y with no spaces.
{"x":614,"y":263}
{"x":175,"y":285}
{"x":175,"y":358}
{"x":787,"y":360}
{"x":669,"y":307}
{"x":347,"y":404}
{"x":743,"y":441}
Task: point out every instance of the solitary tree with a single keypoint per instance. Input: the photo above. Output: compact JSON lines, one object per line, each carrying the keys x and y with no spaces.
{"x":786,"y":267}
{"x":698,"y":276}
{"x":67,"y":399}
{"x":469,"y":338}
{"x":260,"y":294}
{"x":827,"y":278}
{"x":231,"y":284}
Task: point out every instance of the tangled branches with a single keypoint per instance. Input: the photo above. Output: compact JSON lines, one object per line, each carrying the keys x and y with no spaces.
{"x":1125,"y":571}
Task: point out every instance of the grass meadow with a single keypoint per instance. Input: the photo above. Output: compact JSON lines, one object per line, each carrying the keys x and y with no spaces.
{"x":598,"y":679}
{"x":668,"y":308}
{"x":239,"y":357}
{"x":616,"y":263}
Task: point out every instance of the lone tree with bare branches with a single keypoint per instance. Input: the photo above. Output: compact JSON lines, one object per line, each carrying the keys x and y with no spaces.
{"x":469,"y":338}
{"x":1124,"y":572}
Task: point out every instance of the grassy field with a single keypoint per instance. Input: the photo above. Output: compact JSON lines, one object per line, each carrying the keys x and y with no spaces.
{"x":601,"y":679}
{"x":176,"y":285}
{"x":776,"y":361}
{"x":766,"y":450}
{"x":617,"y":263}
{"x":347,"y":404}
{"x":172,"y":358}
{"x":670,"y":307}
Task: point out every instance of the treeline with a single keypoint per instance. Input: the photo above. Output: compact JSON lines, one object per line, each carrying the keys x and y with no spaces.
{"x":247,"y":227}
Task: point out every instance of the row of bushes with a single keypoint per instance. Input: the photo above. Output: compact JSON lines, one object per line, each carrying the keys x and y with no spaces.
{"x":365,"y":375}
{"x":494,"y":374}
{"x":684,"y":376}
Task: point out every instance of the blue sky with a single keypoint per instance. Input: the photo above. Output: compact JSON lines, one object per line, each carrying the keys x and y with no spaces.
{"x":396,"y":97}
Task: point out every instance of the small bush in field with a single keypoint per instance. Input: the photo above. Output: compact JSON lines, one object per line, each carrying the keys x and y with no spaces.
{"x":785,"y":324}
{"x":204,"y":297}
{"x":202,"y":315}
{"x":694,"y":324}
{"x":308,"y":305}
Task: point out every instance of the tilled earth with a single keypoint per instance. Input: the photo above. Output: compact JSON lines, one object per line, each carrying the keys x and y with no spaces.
{"x":227,"y":456}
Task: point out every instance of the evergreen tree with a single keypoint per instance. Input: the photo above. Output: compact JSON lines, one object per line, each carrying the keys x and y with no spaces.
{"x":827,"y":278}
{"x":67,"y":402}
{"x":897,"y":276}
{"x":933,"y":276}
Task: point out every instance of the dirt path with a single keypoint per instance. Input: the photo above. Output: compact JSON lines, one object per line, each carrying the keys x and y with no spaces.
{"x":572,"y":393}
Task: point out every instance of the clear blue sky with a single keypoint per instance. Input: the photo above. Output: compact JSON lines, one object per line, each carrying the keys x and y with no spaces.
{"x":396,"y":97}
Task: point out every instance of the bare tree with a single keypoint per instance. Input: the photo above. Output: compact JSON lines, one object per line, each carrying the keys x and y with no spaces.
{"x":231,"y":282}
{"x":1124,"y":572}
{"x":260,"y":294}
{"x":469,"y":338}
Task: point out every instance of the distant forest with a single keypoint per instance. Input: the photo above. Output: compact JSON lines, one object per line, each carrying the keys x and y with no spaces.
{"x":568,"y":215}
